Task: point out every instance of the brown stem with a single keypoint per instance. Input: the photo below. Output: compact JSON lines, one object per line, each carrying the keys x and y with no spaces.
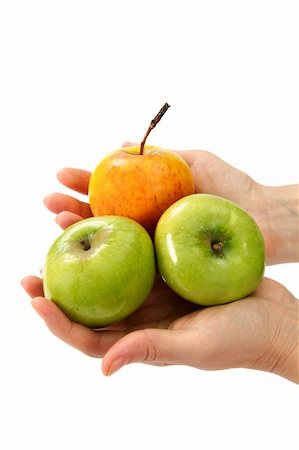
{"x":153,"y":123}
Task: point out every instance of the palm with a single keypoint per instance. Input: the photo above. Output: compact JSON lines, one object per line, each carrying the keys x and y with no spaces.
{"x":219,"y":337}
{"x":223,"y":336}
{"x":232,"y":335}
{"x":221,"y":330}
{"x":160,"y":309}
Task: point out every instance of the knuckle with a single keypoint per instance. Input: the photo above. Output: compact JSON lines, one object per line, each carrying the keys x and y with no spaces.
{"x":149,"y":348}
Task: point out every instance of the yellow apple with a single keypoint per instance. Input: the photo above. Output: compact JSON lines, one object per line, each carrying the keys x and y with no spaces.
{"x":139,"y":186}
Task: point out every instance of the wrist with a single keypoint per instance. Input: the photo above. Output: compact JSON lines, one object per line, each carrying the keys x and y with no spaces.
{"x":286,"y":349}
{"x":281,"y":352}
{"x":288,"y":365}
{"x":280,"y":223}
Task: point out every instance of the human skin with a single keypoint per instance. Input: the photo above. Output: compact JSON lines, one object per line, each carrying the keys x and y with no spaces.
{"x":259,"y":332}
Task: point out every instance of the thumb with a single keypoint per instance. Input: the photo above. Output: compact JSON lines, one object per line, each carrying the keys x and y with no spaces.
{"x":149,"y":346}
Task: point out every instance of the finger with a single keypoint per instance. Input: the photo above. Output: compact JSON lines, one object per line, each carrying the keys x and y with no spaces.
{"x":149,"y":346}
{"x":66,"y":219}
{"x":57,"y":203}
{"x":128,"y":144}
{"x":207,"y":168}
{"x":88,"y":341}
{"x":75,"y":179}
{"x":33,"y":286}
{"x":188,"y":155}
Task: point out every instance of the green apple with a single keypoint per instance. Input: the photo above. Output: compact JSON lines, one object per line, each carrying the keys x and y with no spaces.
{"x":100,"y":270}
{"x":209,"y":250}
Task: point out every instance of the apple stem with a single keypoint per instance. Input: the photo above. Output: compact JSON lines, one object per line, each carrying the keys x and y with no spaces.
{"x":153,"y":123}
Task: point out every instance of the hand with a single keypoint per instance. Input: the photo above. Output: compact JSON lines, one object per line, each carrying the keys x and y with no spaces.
{"x":275,"y":209}
{"x":259,"y":332}
{"x":164,"y":312}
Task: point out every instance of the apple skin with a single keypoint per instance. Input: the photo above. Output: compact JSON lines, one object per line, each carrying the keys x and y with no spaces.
{"x":141,"y":187}
{"x":192,"y":267}
{"x":103,"y":284}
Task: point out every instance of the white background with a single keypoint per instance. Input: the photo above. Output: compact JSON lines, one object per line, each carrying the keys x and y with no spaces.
{"x":78,"y":79}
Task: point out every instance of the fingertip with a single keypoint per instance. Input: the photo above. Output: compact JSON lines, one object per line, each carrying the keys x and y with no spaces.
{"x":65,"y":176}
{"x":59,"y":218}
{"x":128,"y":144}
{"x":66,"y":218}
{"x":32,"y":285}
{"x":24,"y":282}
{"x":50,"y":201}
{"x":61,"y":173}
{"x":125,"y":351}
{"x":46,"y":200}
{"x":104,"y":368}
{"x":75,"y":179}
{"x":112,"y":366}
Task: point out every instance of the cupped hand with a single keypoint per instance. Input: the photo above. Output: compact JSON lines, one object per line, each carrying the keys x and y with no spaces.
{"x":159,"y":310}
{"x":258,"y":332}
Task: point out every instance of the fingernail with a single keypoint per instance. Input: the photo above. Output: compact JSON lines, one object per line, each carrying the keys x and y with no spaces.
{"x":116,"y":365}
